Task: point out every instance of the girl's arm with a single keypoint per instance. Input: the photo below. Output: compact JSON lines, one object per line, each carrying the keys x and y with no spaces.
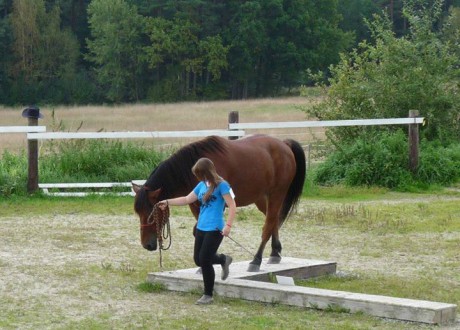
{"x":231,"y":214}
{"x":178,"y":201}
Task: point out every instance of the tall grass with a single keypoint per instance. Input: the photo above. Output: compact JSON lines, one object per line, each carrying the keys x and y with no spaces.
{"x":13,"y":174}
{"x":82,"y":161}
{"x":99,"y":161}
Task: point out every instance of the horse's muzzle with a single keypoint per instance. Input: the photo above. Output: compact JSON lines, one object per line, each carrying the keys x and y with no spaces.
{"x":151,"y":246}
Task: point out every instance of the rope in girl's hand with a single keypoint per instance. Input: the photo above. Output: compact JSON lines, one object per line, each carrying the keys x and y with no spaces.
{"x":160,"y":222}
{"x":241,"y":246}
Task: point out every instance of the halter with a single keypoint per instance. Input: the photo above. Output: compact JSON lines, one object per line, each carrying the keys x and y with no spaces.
{"x":159,"y":220}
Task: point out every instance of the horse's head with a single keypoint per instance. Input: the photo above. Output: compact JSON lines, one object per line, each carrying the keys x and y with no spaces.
{"x":144,"y":201}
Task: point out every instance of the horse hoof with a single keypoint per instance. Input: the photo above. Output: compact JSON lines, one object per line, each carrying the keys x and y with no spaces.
{"x":253,"y":268}
{"x":274,"y":260}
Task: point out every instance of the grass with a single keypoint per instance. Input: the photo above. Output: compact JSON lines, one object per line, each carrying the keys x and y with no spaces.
{"x":77,"y":263}
{"x":157,"y":117}
{"x":386,"y":285}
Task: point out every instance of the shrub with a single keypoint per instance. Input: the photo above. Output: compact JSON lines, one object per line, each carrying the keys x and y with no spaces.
{"x":391,"y":75}
{"x":382,"y":160}
{"x":378,"y":159}
{"x":438,"y":164}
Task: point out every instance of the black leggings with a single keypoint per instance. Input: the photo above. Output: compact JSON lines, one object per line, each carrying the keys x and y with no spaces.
{"x":205,"y":256}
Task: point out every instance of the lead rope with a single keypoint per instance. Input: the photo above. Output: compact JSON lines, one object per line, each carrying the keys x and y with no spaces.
{"x":160,"y":222}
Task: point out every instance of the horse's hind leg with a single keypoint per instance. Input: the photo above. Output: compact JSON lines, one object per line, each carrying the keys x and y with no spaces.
{"x":270,"y":228}
{"x":273,"y":222}
{"x":275,"y":256}
{"x":254,"y":265}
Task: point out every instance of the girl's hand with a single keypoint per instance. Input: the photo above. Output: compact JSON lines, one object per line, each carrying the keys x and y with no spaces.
{"x":226,"y":230}
{"x":163,"y":204}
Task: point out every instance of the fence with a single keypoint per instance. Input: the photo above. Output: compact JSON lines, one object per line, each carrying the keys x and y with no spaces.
{"x":22,"y":129}
{"x":235,"y":130}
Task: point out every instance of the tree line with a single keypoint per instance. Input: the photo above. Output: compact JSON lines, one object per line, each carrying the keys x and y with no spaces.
{"x":99,"y":51}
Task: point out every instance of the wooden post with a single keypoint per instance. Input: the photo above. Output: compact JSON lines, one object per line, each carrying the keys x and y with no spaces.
{"x":233,"y":118}
{"x":32,"y":114}
{"x":32,"y":146}
{"x":413,"y":142}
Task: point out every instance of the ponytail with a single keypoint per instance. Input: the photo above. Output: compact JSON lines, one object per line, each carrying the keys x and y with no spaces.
{"x":204,"y":170}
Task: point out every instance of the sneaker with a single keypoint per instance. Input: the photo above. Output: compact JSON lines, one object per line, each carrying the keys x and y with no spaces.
{"x":226,"y":267}
{"x":204,"y":300}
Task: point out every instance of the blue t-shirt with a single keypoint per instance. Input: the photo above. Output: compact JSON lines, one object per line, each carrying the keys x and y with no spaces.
{"x":211,"y":214}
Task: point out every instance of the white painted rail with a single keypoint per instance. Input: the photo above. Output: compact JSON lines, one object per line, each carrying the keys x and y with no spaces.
{"x":132,"y":135}
{"x":45,"y":187}
{"x":22,"y":129}
{"x":327,"y":123}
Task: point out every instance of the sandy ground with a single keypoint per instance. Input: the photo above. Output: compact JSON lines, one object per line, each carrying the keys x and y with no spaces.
{"x":65,"y":268}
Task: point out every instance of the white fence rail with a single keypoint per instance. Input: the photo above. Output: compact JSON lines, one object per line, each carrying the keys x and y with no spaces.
{"x":22,"y":129}
{"x":132,"y":135}
{"x":326,"y":123}
{"x":46,"y":187}
{"x":235,"y":129}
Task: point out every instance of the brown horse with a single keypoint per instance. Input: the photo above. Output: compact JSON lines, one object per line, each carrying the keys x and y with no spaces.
{"x":260,"y":169}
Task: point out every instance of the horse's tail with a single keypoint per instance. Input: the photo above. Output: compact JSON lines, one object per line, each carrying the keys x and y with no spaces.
{"x":296,"y":187}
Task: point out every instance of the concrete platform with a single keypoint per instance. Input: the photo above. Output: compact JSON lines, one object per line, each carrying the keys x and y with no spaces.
{"x":259,"y":287}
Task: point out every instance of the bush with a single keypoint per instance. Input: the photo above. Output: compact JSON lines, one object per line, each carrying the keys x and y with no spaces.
{"x":438,"y":164}
{"x":382,"y":160}
{"x":391,"y":75}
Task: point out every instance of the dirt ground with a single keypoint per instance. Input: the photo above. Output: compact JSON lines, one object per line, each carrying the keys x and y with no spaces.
{"x":62,"y":269}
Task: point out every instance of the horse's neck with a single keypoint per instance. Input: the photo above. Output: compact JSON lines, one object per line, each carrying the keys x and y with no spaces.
{"x":177,"y":187}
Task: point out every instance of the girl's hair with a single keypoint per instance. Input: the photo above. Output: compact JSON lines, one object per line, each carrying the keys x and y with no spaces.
{"x":204,"y":170}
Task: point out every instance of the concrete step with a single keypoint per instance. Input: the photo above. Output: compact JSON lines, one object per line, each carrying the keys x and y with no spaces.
{"x":259,"y":287}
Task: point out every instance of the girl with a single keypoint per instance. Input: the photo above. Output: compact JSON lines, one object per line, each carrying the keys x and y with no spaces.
{"x":213,"y":192}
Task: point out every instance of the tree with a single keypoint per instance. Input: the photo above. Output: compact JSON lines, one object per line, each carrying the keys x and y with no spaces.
{"x":392,"y":75}
{"x":451,"y":29}
{"x":272,"y":42}
{"x":180,"y":58}
{"x":115,"y":47}
{"x":44,"y":54}
{"x":5,"y":45}
{"x":354,"y":12}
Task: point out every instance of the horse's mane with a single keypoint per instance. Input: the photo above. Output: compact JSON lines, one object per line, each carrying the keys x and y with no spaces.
{"x":176,"y":172}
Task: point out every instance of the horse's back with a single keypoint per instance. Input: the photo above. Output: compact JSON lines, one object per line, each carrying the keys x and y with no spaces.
{"x":256,"y":166}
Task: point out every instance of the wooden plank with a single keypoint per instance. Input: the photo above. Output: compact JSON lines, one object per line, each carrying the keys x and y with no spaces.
{"x":327,"y":123}
{"x":132,"y":135}
{"x":240,"y":285}
{"x":22,"y":129}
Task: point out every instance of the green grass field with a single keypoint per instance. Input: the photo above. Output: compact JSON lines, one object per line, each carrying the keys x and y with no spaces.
{"x":77,"y":263}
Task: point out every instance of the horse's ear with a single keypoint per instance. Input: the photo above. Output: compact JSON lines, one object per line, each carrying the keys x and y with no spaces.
{"x":136,"y":187}
{"x":153,"y":196}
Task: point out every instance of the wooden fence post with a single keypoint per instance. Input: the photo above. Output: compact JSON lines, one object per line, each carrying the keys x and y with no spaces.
{"x":233,"y":118}
{"x":32,"y":114}
{"x":413,"y":142}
